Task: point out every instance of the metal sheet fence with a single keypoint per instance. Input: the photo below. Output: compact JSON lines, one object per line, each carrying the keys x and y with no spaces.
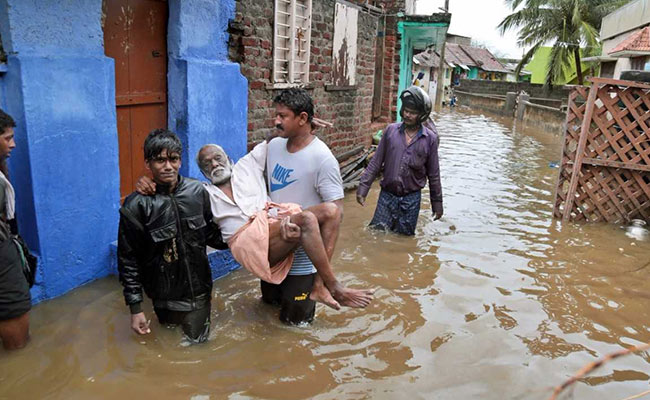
{"x":605,"y":164}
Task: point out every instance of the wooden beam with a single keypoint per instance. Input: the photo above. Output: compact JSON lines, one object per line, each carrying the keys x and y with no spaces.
{"x":557,"y":199}
{"x":584,"y":132}
{"x":616,"y":164}
{"x":618,"y":82}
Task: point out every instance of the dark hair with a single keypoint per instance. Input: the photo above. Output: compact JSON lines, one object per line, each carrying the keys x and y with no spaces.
{"x":297,"y":100}
{"x":6,"y":121}
{"x":159,"y":140}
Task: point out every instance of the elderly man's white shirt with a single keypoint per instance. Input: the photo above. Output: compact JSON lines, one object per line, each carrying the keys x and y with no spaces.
{"x":248,"y":189}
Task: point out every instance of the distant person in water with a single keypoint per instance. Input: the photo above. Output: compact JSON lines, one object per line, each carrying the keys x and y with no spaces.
{"x":15,"y":299}
{"x":162,"y":244}
{"x":408,"y":155}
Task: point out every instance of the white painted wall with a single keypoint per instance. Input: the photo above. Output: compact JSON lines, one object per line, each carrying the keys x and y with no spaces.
{"x":345,"y":30}
{"x":621,"y":65}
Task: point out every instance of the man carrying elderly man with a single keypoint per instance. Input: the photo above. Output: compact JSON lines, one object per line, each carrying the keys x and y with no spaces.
{"x":289,"y":248}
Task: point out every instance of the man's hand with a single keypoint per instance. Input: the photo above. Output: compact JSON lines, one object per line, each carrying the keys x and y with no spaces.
{"x":361,"y":199}
{"x":140,"y":324}
{"x":145,"y":186}
{"x":289,"y":231}
{"x":437,"y":211}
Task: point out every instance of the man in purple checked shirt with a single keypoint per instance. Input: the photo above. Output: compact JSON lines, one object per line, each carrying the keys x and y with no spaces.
{"x":408,"y":154}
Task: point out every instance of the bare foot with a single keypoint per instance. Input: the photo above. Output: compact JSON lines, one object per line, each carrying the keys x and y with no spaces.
{"x":355,"y":298}
{"x":320,"y":294}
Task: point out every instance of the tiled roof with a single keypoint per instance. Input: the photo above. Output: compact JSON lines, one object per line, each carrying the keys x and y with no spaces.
{"x":639,"y":41}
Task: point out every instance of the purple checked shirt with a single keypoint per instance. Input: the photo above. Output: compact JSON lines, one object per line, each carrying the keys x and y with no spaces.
{"x":406,"y":168}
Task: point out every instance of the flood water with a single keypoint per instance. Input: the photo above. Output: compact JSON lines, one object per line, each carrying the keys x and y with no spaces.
{"x":495,"y":301}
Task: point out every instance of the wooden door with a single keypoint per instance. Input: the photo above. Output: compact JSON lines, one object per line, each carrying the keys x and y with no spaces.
{"x":135,"y":35}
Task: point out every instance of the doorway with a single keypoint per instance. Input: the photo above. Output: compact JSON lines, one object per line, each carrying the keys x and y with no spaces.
{"x":135,"y":36}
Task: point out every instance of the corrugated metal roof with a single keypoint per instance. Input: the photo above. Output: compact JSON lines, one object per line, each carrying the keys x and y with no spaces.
{"x":462,"y":56}
{"x":511,"y":67}
{"x":457,"y":54}
{"x":428,"y":58}
{"x":484,"y":59}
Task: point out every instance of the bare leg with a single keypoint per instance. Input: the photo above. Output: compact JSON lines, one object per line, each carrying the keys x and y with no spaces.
{"x":15,"y":332}
{"x":329,"y":217}
{"x":314,"y":246}
{"x":312,"y":243}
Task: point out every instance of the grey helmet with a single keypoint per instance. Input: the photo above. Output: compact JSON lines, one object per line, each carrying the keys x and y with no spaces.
{"x":417,"y":96}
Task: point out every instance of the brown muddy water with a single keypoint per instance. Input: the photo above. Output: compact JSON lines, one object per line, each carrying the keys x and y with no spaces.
{"x":496,"y":301}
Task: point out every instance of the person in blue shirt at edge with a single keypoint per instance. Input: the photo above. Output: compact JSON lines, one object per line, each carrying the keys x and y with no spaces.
{"x":15,"y":299}
{"x":408,"y":154}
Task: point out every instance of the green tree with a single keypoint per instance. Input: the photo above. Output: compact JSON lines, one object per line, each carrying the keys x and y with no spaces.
{"x":566,"y":25}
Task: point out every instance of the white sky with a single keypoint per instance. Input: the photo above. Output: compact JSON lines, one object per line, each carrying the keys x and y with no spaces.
{"x":477,"y":19}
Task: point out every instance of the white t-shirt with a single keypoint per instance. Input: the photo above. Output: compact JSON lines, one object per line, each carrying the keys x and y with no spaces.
{"x":307,"y":177}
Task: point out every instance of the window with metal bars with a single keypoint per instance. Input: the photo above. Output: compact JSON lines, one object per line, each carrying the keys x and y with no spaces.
{"x":291,"y":42}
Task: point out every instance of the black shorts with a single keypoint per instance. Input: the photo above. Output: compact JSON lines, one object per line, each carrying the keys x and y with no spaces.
{"x":15,"y":299}
{"x":292,"y":295}
{"x":195,"y":324}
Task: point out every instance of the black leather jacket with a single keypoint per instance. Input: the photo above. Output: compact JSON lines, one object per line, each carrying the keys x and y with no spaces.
{"x":162,"y":247}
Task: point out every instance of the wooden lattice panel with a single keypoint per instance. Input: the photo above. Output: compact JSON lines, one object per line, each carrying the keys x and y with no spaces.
{"x":575,"y":115}
{"x":605,"y":164}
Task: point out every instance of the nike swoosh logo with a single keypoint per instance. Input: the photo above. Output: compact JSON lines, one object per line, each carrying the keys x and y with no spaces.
{"x":278,"y":186}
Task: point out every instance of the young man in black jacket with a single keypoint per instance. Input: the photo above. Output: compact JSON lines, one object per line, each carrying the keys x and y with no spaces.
{"x":162,"y":244}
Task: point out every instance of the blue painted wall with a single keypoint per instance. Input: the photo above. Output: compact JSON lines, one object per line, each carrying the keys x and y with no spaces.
{"x":59,"y":87}
{"x":208,"y":95}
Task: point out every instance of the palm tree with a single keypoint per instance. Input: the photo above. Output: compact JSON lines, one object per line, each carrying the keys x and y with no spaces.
{"x":566,"y":24}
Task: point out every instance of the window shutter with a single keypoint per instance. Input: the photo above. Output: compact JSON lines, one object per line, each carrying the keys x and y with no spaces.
{"x":291,"y":41}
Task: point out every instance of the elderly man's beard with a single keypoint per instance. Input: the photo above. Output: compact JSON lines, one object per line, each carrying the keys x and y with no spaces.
{"x":219,"y":176}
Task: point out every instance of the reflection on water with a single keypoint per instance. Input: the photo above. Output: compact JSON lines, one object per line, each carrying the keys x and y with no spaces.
{"x":494,"y":301}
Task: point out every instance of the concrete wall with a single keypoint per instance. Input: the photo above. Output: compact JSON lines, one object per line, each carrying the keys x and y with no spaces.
{"x":207,"y":93}
{"x":490,"y":103}
{"x":503,"y":87}
{"x":546,"y":118}
{"x":632,"y":16}
{"x":60,"y":88}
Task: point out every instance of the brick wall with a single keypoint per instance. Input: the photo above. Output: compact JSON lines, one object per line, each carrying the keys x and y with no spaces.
{"x":251,"y":41}
{"x":391,"y":60}
{"x":391,"y":70}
